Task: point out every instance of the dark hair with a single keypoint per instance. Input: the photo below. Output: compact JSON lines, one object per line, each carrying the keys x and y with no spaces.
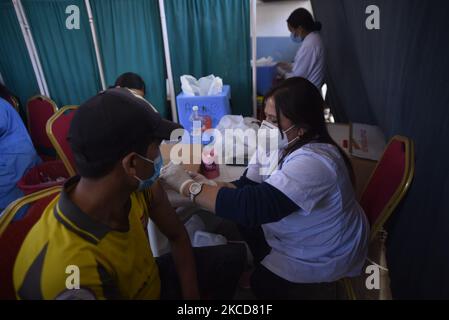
{"x":5,"y":93}
{"x":303,"y":18}
{"x":301,"y":102}
{"x":130,"y":80}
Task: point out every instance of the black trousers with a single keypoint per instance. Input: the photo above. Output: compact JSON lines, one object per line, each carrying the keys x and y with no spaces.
{"x":218,"y":269}
{"x":268,"y":286}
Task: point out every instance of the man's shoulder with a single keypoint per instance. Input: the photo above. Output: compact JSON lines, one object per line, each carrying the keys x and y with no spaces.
{"x":44,"y":270}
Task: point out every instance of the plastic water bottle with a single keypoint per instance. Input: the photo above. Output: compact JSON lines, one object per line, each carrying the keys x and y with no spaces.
{"x":197,"y":124}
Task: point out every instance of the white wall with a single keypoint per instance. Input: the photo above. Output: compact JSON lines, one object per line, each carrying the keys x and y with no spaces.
{"x":272,"y":16}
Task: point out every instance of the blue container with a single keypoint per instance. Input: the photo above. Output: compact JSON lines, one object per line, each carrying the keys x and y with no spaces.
{"x":213,"y":106}
{"x":265,"y":78}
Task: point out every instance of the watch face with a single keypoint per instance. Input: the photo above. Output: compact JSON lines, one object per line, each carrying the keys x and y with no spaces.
{"x":195,"y":188}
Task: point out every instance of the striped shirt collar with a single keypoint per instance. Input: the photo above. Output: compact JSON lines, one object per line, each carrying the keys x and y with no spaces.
{"x":71,"y":216}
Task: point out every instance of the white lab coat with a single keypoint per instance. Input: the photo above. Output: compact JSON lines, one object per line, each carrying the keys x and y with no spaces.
{"x":326,"y":239}
{"x":310,"y":60}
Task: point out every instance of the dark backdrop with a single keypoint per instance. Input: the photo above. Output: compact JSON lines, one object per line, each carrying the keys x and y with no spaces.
{"x":398,"y":78}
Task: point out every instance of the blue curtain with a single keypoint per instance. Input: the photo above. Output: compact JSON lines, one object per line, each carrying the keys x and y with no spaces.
{"x":213,"y":37}
{"x":15,"y":63}
{"x":397,"y":77}
{"x":67,"y":56}
{"x":130,"y":38}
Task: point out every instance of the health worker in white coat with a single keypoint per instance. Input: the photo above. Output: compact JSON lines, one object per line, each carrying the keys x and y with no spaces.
{"x":302,"y":221}
{"x":309,"y":61}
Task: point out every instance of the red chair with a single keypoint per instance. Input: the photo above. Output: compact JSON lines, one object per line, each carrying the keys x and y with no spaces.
{"x":57,"y":130}
{"x":386,"y":188}
{"x":44,"y":176}
{"x":13,"y":233}
{"x":39,"y":109}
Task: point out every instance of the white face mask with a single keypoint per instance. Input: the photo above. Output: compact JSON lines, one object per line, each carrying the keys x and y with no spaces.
{"x":283,"y":142}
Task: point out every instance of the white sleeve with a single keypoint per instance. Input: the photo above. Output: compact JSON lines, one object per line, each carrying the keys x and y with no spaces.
{"x":304,"y":61}
{"x":262,"y":165}
{"x":305,"y":180}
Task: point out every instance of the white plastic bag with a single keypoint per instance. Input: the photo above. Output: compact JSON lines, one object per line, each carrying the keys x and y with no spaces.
{"x":265,"y":62}
{"x":206,"y":86}
{"x":242,"y":150}
{"x":193,"y":225}
{"x":206,"y":239}
{"x":190,"y":86}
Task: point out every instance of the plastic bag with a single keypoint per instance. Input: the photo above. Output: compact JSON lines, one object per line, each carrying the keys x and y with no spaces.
{"x":265,"y":62}
{"x":206,"y":86}
{"x":193,"y":225}
{"x":206,"y":239}
{"x":189,"y":86}
{"x":243,"y":151}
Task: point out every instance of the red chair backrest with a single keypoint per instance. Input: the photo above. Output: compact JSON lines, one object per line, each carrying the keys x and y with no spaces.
{"x":39,"y":110}
{"x":11,"y":241}
{"x":57,"y":129}
{"x":389,"y":180}
{"x":43,"y":176}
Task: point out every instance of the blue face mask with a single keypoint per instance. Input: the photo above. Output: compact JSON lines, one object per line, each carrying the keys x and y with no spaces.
{"x":295,"y":39}
{"x":147,"y":183}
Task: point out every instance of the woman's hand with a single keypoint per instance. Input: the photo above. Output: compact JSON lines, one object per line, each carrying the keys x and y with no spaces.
{"x":285,"y":66}
{"x":201,"y":179}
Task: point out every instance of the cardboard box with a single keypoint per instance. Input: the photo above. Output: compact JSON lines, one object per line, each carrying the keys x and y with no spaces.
{"x":363,"y":168}
{"x":341,"y":133}
{"x":368,"y":142}
{"x":193,"y":158}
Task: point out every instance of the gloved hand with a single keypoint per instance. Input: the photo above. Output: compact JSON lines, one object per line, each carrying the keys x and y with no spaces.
{"x":201,"y":179}
{"x":175,"y":177}
{"x":282,"y":69}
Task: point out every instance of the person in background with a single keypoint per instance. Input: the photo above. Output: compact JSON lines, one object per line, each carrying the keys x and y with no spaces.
{"x":17,"y":153}
{"x":5,"y":94}
{"x":99,"y":221}
{"x":132,"y":81}
{"x":301,"y":219}
{"x":135,"y":84}
{"x":309,"y":61}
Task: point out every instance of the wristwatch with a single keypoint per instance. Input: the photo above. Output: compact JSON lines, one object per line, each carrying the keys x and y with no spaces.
{"x":194,"y":190}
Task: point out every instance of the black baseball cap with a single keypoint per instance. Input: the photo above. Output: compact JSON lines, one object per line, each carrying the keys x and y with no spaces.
{"x":106,"y":126}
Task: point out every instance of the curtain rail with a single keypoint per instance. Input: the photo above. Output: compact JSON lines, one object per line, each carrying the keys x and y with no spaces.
{"x":253,"y":18}
{"x":171,"y":83}
{"x":96,"y":46}
{"x":31,"y":47}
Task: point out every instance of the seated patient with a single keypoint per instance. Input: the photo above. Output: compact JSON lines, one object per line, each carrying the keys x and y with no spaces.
{"x":135,"y":84}
{"x":98,"y":223}
{"x":17,"y":154}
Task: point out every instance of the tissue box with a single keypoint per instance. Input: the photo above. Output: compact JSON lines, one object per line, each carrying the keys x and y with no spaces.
{"x":213,"y":106}
{"x":265,"y":78}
